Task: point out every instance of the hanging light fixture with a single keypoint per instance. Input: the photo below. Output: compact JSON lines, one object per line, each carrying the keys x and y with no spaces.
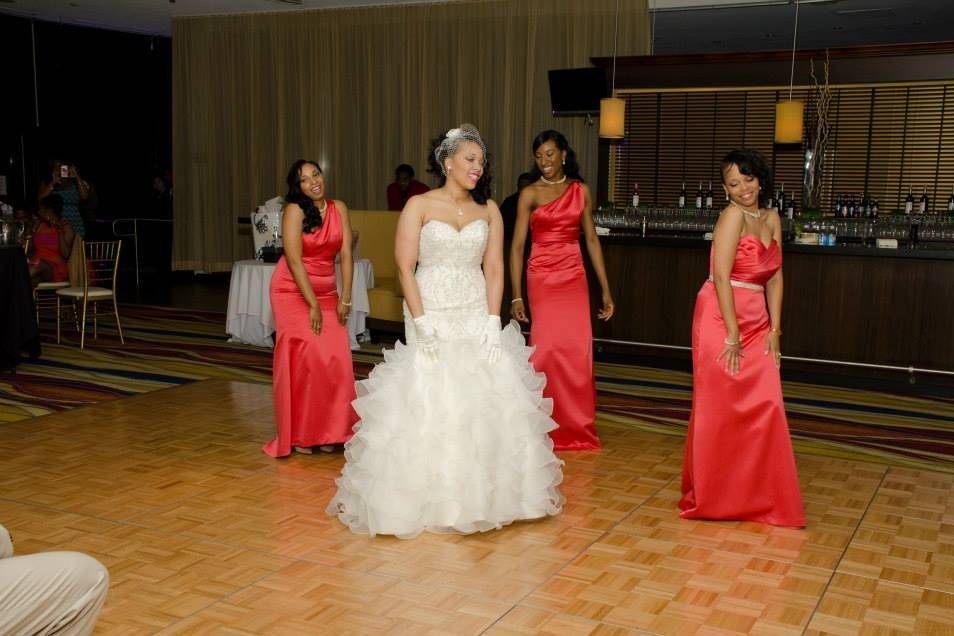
{"x":790,"y":113}
{"x":613,"y":109}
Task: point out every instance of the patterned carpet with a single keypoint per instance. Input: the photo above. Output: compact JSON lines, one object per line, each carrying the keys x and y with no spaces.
{"x":168,"y":347}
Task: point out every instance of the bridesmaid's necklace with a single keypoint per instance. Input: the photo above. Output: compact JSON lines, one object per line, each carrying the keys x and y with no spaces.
{"x":322,"y":210}
{"x":755,"y":215}
{"x":557,"y":182}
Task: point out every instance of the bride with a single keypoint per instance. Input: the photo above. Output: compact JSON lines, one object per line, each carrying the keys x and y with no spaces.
{"x":453,"y":431}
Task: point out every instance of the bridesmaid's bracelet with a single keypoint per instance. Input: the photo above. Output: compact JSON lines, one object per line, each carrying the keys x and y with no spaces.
{"x":516,"y":300}
{"x":778,"y":331}
{"x":345,"y":304}
{"x":730,"y":343}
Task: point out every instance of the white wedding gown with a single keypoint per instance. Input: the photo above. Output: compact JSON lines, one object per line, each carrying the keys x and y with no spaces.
{"x":456,"y":444}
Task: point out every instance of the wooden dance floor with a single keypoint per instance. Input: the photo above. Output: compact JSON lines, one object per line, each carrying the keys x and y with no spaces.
{"x":202,"y":534}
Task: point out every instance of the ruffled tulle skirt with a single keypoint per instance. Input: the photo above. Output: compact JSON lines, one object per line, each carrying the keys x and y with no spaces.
{"x":452,"y":445}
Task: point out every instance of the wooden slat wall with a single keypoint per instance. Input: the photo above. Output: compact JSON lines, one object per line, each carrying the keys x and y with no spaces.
{"x":885,"y":139}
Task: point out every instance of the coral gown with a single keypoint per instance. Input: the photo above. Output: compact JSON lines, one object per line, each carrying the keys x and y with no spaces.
{"x":312,"y":375}
{"x":738,"y":460}
{"x":560,"y":331}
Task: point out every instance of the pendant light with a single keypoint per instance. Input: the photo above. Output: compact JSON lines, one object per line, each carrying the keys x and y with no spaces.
{"x":789,"y":113}
{"x":613,"y":109}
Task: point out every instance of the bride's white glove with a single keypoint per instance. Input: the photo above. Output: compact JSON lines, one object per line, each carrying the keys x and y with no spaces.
{"x":490,"y":339}
{"x":426,"y":337}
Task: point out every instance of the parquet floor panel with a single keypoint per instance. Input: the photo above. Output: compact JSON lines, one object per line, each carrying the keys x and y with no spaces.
{"x":204,"y":534}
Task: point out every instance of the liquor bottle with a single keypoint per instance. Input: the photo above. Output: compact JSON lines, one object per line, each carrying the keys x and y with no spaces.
{"x":780,"y":200}
{"x":865,"y":211}
{"x":635,"y":195}
{"x":790,"y":208}
{"x":709,"y":197}
{"x":874,"y":210}
{"x":852,"y":207}
{"x":950,"y":202}
{"x":923,"y":202}
{"x":699,"y":197}
{"x":682,"y":195}
{"x":838,"y":202}
{"x":909,"y":202}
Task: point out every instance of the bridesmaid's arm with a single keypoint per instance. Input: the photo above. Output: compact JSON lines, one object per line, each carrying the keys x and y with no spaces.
{"x":596,"y":255}
{"x":347,"y":263}
{"x":725,"y":240}
{"x":517,"y":245}
{"x":493,"y":260}
{"x":773,"y":294}
{"x":405,"y":253}
{"x":292,"y":220}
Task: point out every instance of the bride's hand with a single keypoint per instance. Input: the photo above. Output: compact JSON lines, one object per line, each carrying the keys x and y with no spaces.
{"x":490,"y":340}
{"x":426,"y":337}
{"x":518,"y":311}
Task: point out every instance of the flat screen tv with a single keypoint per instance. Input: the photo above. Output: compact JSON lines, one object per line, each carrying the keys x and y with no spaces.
{"x":577,"y":91}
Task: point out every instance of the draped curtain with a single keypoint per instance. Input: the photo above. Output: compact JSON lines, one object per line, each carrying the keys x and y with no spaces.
{"x":361,"y":90}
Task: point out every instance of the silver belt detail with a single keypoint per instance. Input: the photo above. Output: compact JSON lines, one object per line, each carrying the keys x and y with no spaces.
{"x":743,"y":284}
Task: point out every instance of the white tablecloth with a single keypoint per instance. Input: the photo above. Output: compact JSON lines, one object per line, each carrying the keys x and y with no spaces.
{"x":250,"y":318}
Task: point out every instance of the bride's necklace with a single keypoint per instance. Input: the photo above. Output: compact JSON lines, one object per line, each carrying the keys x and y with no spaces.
{"x":460,"y":211}
{"x":755,"y":215}
{"x":557,"y":182}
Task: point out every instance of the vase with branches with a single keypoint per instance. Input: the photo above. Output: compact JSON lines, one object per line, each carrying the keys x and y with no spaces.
{"x":820,"y":131}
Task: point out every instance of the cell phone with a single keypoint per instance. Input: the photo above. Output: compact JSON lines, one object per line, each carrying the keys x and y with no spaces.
{"x":64,"y":171}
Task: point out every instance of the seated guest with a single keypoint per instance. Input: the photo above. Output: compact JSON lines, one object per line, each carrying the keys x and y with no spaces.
{"x":23,"y":214}
{"x":52,"y":243}
{"x":49,"y":592}
{"x":404,"y":187}
{"x":508,"y":208}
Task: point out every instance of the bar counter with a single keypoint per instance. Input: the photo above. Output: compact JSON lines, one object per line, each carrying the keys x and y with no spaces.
{"x":844,"y":303}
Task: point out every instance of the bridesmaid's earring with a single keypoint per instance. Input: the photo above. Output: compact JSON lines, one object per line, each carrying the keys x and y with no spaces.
{"x":564,"y":162}
{"x":726,"y":194}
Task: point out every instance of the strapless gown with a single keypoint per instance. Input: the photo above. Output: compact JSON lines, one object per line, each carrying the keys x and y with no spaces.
{"x":453,"y":445}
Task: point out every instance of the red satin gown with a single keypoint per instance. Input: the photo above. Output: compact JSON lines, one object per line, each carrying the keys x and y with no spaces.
{"x":560,"y":331}
{"x":738,"y":460}
{"x":312,"y":375}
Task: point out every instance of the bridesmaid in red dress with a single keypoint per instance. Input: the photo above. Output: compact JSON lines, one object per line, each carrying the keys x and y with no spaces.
{"x":553,"y":208}
{"x":312,"y":375}
{"x":738,"y":460}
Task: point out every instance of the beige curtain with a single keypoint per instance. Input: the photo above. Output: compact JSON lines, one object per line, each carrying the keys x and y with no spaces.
{"x":362,"y":90}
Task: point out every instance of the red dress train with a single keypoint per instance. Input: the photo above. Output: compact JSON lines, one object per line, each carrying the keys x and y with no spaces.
{"x":560,"y":331}
{"x":312,"y":375}
{"x":738,"y":459}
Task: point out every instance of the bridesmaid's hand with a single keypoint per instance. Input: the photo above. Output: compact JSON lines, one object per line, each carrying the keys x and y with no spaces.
{"x":608,"y":307}
{"x":518,"y":311}
{"x":731,"y":356}
{"x":314,"y":315}
{"x":773,"y":347}
{"x":343,"y":311}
